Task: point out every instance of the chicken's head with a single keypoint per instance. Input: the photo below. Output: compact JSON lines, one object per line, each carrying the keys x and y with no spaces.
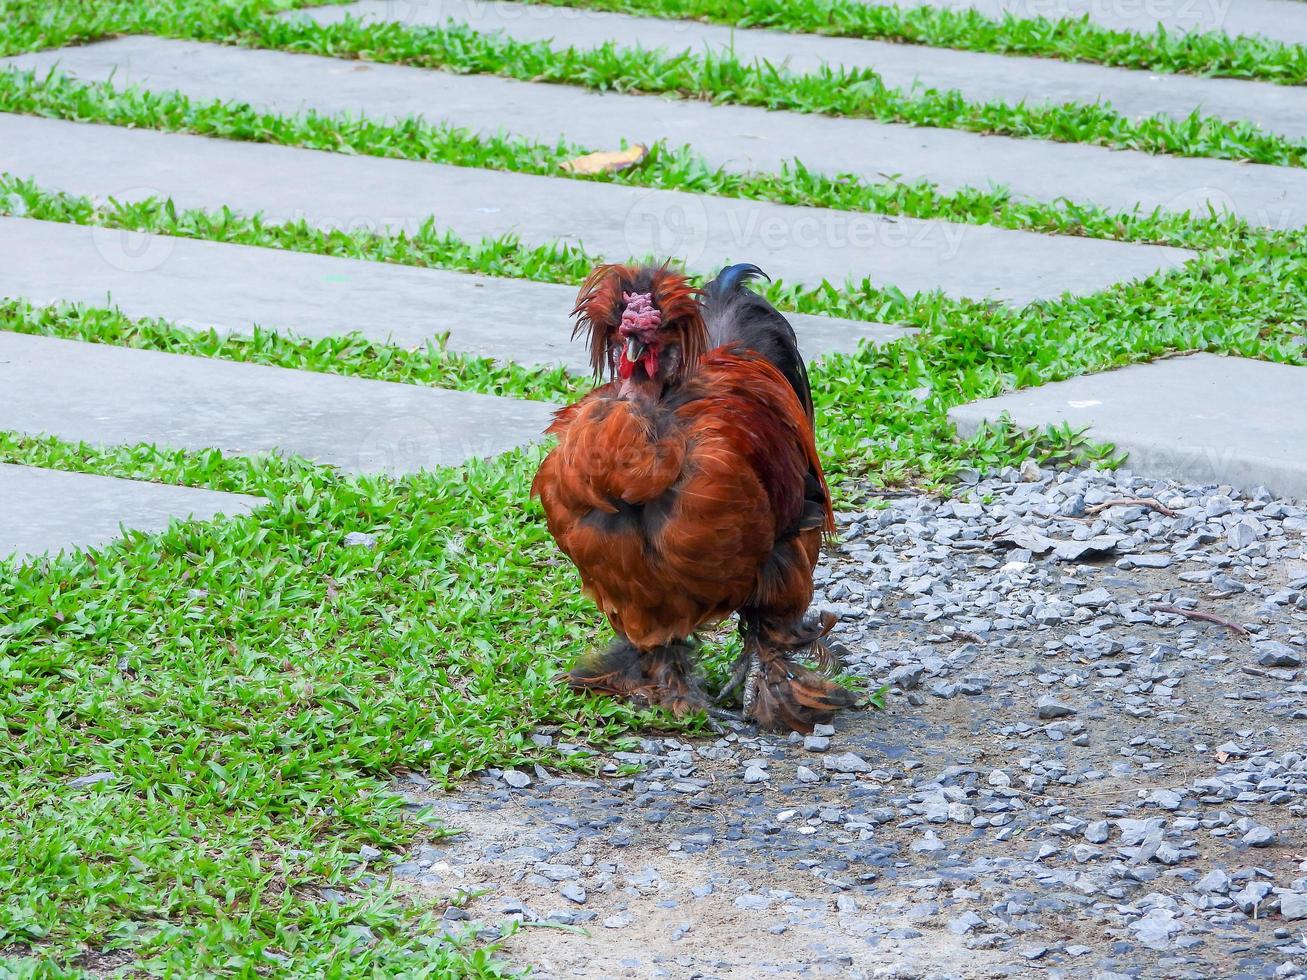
{"x":644,"y":324}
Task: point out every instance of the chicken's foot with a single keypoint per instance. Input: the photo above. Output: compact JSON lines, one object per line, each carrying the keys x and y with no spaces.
{"x":778,"y":691}
{"x":661,"y":675}
{"x":744,"y":674}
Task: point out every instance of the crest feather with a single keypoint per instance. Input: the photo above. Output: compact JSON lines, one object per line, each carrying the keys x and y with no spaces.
{"x":601,"y":303}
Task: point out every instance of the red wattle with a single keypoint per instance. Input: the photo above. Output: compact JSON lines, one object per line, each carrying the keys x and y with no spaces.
{"x":624,"y":367}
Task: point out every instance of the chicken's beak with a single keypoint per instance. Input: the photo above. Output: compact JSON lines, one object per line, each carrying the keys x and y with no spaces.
{"x":634,"y":350}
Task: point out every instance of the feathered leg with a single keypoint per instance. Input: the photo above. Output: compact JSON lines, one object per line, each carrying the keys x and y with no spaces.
{"x":661,"y":675}
{"x":778,"y":692}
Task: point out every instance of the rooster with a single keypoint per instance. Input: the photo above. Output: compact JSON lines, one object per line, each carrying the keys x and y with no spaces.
{"x":688,"y":488}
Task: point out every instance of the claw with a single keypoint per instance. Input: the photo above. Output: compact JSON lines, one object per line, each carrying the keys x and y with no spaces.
{"x":716,"y":715}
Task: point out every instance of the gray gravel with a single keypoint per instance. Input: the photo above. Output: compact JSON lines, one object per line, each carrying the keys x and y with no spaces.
{"x":1068,"y":781}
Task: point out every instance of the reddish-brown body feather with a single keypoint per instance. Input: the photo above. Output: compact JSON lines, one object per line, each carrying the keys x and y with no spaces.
{"x":680,"y":512}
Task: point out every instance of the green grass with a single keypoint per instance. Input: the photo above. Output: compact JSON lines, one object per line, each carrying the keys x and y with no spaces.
{"x":842,"y":93}
{"x":253,"y":686}
{"x":31,"y":24}
{"x":1211,"y":53}
{"x":1247,"y":295}
{"x":852,"y":93}
{"x":348,"y":354}
{"x":414,"y":139}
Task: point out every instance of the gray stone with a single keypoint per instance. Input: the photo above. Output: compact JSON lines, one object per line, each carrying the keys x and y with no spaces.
{"x":978,"y":76}
{"x":907,"y":677}
{"x":964,"y":923}
{"x":1156,"y":928}
{"x":1049,"y":708}
{"x":1273,"y":653}
{"x":516,"y":778}
{"x":1166,"y":799}
{"x":1203,"y":418}
{"x":755,"y":774}
{"x":929,"y":844}
{"x":573,"y":892}
{"x":359,"y":539}
{"x":798,"y":244}
{"x":816,"y":743}
{"x":231,"y":288}
{"x":556,"y":872}
{"x":1098,"y":832}
{"x":1251,"y":896}
{"x":961,"y":813}
{"x":1259,"y":836}
{"x":1147,"y":561}
{"x":1242,"y":535}
{"x":110,"y":395}
{"x":1215,"y":881}
{"x":846,"y":762}
{"x":1093,"y":599}
{"x":47,"y":511}
{"x":1293,"y":905}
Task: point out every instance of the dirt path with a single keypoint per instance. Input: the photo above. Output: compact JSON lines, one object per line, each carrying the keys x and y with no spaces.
{"x":1066,"y":784}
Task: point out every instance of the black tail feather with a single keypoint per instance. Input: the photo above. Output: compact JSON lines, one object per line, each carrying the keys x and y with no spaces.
{"x":736,"y":314}
{"x":730,"y":279}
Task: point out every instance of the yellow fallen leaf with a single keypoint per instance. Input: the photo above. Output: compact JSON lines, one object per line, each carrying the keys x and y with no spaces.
{"x":607,"y":161}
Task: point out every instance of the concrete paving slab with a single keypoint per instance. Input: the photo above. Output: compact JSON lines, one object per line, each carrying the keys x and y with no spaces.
{"x":740,"y":139}
{"x":1278,"y":20}
{"x":46,"y":512}
{"x":232,"y":288}
{"x":110,"y":395}
{"x":979,"y":77}
{"x":335,"y":190}
{"x":1200,"y":419}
